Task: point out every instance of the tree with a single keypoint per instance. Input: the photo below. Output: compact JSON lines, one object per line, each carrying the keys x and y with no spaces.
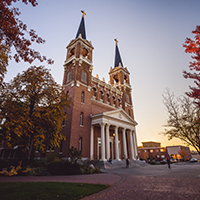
{"x":33,"y":108}
{"x":193,"y":47}
{"x":4,"y":51}
{"x":183,"y":119}
{"x":183,"y":154}
{"x":14,"y":33}
{"x":145,"y":155}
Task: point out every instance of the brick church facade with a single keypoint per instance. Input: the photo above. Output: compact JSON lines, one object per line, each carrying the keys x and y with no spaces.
{"x":101,"y":121}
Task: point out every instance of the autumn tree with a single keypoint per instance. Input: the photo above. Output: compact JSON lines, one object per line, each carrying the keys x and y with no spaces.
{"x":33,"y":108}
{"x":14,"y":33}
{"x":183,"y":119}
{"x":183,"y":154}
{"x":4,"y":51}
{"x":192,"y":46}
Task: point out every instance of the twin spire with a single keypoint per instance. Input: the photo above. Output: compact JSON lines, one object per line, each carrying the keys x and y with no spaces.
{"x":118,"y":60}
{"x":81,"y":30}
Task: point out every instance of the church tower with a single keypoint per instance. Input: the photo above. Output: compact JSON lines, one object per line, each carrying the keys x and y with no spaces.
{"x":77,"y":83}
{"x":119,"y":78}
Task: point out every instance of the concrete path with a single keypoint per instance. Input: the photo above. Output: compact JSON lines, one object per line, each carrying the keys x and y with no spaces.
{"x":155,"y":182}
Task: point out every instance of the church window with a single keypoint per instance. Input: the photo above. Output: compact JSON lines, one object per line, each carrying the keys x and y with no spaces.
{"x":126,"y":79}
{"x":94,"y":92}
{"x":80,"y":144}
{"x":84,"y":76}
{"x":85,"y":52}
{"x":127,"y":98}
{"x":108,"y":98}
{"x":129,"y":112}
{"x":116,"y":79}
{"x":81,"y":119}
{"x":101,"y":95}
{"x":119,"y":102}
{"x":114,"y":101}
{"x":82,"y":97}
{"x":72,"y":52}
{"x":69,"y":76}
{"x":61,"y":146}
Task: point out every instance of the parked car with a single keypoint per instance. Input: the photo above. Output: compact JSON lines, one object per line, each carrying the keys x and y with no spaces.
{"x":193,"y":160}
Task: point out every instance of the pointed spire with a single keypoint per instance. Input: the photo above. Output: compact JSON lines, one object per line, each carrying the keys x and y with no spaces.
{"x":118,"y":60}
{"x":81,"y":29}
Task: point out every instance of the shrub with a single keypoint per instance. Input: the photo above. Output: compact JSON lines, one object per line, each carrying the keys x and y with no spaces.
{"x":12,"y":170}
{"x":35,"y":171}
{"x":74,"y":155}
{"x":152,"y":162}
{"x":3,"y":164}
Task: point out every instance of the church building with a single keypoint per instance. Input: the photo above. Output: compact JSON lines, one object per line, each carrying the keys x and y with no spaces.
{"x":101,"y":121}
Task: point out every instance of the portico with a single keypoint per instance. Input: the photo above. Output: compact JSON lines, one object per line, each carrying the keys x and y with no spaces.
{"x":115,"y":136}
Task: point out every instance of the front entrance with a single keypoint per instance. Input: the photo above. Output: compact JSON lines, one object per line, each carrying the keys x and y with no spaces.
{"x":111,"y":142}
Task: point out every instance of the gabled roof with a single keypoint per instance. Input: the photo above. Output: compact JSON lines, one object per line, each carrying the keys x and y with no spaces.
{"x":118,"y":59}
{"x":117,"y":117}
{"x":121,"y":115}
{"x":81,"y":29}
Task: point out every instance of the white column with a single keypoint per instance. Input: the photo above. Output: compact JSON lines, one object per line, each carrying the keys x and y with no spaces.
{"x":124,"y":143}
{"x":107,"y":142}
{"x":92,"y":143}
{"x":131,"y":143}
{"x":116,"y":144}
{"x":135,"y":144}
{"x":102,"y":142}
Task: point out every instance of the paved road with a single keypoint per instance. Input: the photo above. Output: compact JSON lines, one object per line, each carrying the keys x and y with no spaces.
{"x":155,"y":182}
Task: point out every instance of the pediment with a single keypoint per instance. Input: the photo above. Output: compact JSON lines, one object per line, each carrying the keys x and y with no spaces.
{"x":120,"y":115}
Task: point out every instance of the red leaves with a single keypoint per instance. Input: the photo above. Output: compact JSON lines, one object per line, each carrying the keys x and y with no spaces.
{"x":13,"y":33}
{"x":193,"y":47}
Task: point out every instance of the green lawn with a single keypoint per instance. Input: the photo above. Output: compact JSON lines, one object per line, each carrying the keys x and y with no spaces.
{"x":47,"y":190}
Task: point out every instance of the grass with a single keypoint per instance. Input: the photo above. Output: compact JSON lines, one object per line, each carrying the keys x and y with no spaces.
{"x":47,"y":190}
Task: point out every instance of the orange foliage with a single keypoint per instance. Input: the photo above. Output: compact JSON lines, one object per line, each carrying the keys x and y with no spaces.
{"x":33,"y":105}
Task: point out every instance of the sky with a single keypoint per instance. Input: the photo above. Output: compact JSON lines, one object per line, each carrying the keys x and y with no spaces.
{"x":150,"y":35}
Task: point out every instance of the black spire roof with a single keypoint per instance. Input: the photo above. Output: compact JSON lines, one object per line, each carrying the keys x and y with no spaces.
{"x":81,"y":29}
{"x":117,"y":56}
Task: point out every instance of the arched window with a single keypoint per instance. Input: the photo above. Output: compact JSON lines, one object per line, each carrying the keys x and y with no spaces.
{"x":72,"y":52}
{"x":114,"y":101}
{"x":85,"y":52}
{"x":69,"y":76}
{"x":108,"y":98}
{"x":127,"y":98}
{"x":101,"y":95}
{"x":82,"y":97}
{"x":80,"y":144}
{"x":119,"y":102}
{"x":67,"y":93}
{"x":94,"y":92}
{"x":81,"y":119}
{"x":84,"y":76}
{"x":61,"y":146}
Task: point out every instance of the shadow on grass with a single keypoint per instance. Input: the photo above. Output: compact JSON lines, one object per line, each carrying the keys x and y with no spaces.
{"x":47,"y":190}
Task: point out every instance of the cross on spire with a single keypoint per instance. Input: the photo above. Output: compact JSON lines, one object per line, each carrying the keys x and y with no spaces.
{"x":118,"y":59}
{"x":83,"y":13}
{"x":81,"y":29}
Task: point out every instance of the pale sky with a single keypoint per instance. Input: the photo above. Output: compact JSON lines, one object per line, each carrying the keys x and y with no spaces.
{"x":150,"y":35}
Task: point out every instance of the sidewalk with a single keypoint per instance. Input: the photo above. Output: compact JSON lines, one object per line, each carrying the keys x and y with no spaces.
{"x":103,"y":178}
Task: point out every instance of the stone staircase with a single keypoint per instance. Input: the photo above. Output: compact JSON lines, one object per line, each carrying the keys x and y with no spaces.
{"x":116,"y":164}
